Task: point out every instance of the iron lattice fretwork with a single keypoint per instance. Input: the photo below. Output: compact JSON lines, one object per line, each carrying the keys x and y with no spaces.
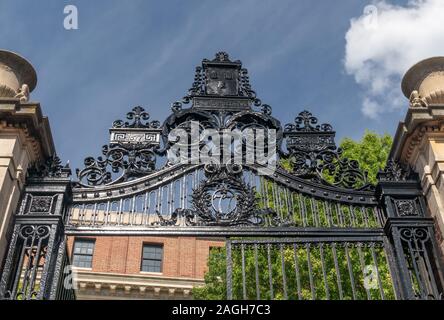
{"x":131,"y":152}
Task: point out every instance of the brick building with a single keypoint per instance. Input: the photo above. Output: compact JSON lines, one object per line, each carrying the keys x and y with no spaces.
{"x":119,"y":267}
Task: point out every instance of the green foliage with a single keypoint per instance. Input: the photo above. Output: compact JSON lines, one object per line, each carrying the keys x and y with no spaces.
{"x":317,"y":273}
{"x":371,"y":152}
{"x":215,"y":280}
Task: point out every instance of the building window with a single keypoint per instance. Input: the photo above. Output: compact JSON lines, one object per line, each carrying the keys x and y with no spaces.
{"x":152,"y":258}
{"x":83,"y":253}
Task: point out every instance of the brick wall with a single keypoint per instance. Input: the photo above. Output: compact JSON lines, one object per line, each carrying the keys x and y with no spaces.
{"x":182,"y":256}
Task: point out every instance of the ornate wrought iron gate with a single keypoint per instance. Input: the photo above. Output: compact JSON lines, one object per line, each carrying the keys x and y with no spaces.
{"x":313,"y":228}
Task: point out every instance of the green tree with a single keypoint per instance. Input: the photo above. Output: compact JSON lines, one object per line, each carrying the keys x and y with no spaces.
{"x":371,"y":152}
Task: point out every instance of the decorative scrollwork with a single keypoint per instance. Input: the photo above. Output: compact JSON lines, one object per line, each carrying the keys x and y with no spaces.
{"x":395,"y":172}
{"x":313,"y":154}
{"x":51,"y":168}
{"x":224,"y":198}
{"x":306,"y":122}
{"x":414,"y":234}
{"x":34,"y":232}
{"x":406,"y":207}
{"x":245,"y":87}
{"x":222,"y":99}
{"x":347,"y":173}
{"x":140,"y":120}
{"x":132,"y":152}
{"x":131,"y":160}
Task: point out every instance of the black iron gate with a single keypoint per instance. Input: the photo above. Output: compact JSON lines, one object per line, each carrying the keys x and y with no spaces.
{"x":302,"y":222}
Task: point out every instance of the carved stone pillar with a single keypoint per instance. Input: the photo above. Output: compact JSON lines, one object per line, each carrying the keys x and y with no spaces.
{"x":25,"y":136}
{"x":419,"y":139}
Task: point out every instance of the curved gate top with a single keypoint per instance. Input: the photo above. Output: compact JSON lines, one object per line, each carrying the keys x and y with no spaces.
{"x":222,"y":165}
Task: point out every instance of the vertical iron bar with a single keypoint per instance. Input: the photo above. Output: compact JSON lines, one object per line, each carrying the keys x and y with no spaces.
{"x":256,"y":269}
{"x":362,"y":262}
{"x":82,"y":216}
{"x":338,"y":272}
{"x":270,"y":275}
{"x":415,"y":268}
{"x":183,"y":184}
{"x":187,"y":189}
{"x":266,"y":193}
{"x":132,"y":216}
{"x":350,"y":270}
{"x":364,"y":215}
{"x":296,"y":269}
{"x":340,"y":216}
{"x":144,"y":220}
{"x":229,"y":271}
{"x":244,"y":286}
{"x":120,"y":213}
{"x":310,"y":272}
{"x":94,"y":215}
{"x":302,"y":203}
{"x":171,"y":197}
{"x":19,"y":269}
{"x":324,"y":273}
{"x":107,"y":212}
{"x":34,"y":268}
{"x":429,"y":270}
{"x":274,"y":197}
{"x":375,"y":261}
{"x":28,"y":267}
{"x":291,"y":196}
{"x":284,"y":276}
{"x":352,"y":216}
{"x":327,"y":218}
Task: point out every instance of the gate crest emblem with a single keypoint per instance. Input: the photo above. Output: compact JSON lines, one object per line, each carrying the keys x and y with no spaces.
{"x":224,"y":198}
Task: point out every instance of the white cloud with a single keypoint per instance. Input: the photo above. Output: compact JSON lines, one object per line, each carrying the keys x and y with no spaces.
{"x":380,"y":48}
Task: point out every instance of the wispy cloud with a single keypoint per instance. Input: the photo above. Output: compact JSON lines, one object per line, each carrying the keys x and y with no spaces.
{"x":378,"y":53}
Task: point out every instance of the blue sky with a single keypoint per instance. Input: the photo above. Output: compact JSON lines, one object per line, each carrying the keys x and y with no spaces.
{"x":128,"y":53}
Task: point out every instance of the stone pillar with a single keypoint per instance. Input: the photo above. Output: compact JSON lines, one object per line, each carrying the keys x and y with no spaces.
{"x":25,"y":135}
{"x":419,"y":139}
